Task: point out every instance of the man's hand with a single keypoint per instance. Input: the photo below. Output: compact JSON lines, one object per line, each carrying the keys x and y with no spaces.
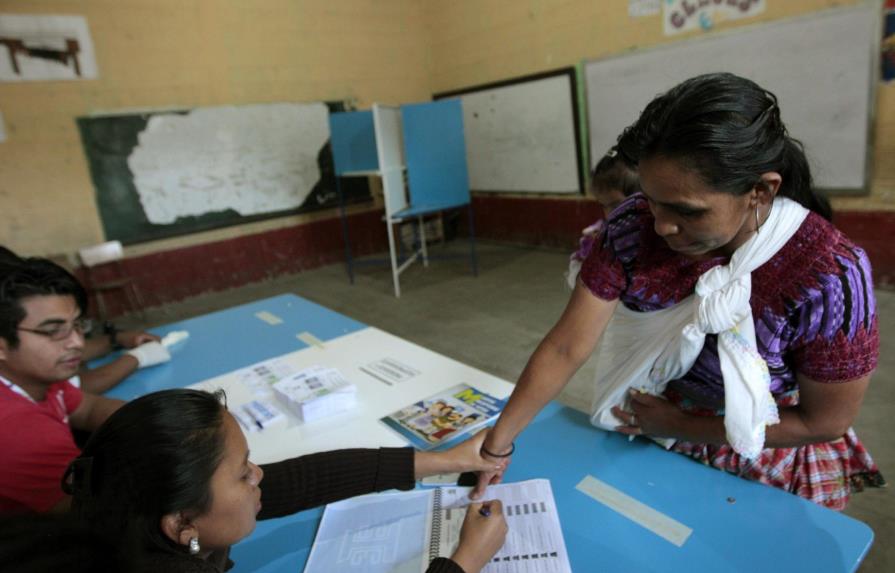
{"x":150,"y":354}
{"x":134,"y":338}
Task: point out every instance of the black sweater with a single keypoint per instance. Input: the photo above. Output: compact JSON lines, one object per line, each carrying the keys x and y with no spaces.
{"x":308,"y":481}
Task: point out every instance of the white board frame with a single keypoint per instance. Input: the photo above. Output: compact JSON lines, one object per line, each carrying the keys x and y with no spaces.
{"x":605,"y":122}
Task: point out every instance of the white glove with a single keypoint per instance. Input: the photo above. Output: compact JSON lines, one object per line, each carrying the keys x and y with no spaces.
{"x":174,"y":338}
{"x":149,"y":354}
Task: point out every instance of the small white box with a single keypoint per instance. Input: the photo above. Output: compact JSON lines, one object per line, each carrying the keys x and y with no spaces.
{"x":316,"y":393}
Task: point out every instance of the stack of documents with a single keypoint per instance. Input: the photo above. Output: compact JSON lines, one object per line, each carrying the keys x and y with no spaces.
{"x":316,"y":392}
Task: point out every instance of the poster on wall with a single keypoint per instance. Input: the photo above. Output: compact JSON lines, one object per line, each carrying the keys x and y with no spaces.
{"x":42,"y":48}
{"x":687,"y":15}
{"x":641,"y":8}
{"x":888,"y":43}
{"x":167,"y":173}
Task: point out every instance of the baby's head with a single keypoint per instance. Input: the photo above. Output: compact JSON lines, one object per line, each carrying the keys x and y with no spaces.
{"x":613,"y":180}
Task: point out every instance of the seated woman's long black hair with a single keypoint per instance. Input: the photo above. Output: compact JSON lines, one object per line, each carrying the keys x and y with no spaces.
{"x":41,"y":542}
{"x":728,"y":130}
{"x":153,"y":457}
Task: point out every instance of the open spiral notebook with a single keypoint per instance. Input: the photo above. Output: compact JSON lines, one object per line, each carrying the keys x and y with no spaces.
{"x":403,"y":532}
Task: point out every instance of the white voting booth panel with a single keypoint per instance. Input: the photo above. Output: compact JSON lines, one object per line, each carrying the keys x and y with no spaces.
{"x":389,"y":139}
{"x":390,"y":150}
{"x":382,"y":143}
{"x":361,"y":427}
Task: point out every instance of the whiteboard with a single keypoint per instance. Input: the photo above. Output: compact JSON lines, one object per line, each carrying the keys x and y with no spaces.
{"x":821,"y":68}
{"x":521,"y":137}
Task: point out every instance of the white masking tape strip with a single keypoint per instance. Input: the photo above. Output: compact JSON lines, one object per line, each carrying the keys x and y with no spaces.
{"x":310,"y":339}
{"x":669,"y":529}
{"x":269,"y":317}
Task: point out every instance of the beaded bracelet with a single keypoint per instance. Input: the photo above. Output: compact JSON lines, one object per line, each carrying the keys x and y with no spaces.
{"x":506,"y":455}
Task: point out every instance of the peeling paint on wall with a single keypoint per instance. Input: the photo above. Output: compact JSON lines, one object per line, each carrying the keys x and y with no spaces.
{"x":251,"y":159}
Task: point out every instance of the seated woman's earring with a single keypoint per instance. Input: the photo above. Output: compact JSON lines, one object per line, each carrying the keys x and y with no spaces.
{"x":194,"y":546}
{"x":757,"y":224}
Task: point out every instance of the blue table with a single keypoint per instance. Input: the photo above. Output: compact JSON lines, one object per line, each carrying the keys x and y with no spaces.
{"x":737,"y":525}
{"x":230,"y":339}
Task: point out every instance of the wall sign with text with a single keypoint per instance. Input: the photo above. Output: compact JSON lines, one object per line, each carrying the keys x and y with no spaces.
{"x":687,"y":15}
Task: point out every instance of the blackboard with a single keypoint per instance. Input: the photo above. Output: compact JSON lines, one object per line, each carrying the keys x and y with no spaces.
{"x":109,"y":142}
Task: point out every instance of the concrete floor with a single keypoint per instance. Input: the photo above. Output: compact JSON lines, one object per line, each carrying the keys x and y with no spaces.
{"x":495,"y":321}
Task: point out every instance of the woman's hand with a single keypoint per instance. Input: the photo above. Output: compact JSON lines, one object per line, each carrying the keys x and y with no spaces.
{"x":494,"y":475}
{"x":653,"y":416}
{"x":465,"y":457}
{"x":481,"y":536}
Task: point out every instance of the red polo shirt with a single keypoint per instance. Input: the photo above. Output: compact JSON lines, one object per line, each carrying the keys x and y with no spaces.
{"x":36,"y":446}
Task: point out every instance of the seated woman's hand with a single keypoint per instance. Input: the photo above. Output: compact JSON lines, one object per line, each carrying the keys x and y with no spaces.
{"x":464,"y":457}
{"x":491,"y":476}
{"x":468,"y":457}
{"x":481,"y":536}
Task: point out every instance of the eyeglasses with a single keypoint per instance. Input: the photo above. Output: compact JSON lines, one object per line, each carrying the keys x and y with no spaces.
{"x":62,"y":331}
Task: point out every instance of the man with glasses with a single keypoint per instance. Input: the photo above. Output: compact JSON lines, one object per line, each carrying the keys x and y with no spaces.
{"x":143,"y":348}
{"x":41,"y":348}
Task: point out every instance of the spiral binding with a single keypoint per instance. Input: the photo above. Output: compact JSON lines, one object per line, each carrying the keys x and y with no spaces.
{"x":435,"y":534}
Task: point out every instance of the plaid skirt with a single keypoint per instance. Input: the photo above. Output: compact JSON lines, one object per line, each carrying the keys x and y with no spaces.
{"x":826,"y":473}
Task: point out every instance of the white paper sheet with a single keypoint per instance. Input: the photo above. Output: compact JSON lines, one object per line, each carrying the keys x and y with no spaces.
{"x":391,"y":533}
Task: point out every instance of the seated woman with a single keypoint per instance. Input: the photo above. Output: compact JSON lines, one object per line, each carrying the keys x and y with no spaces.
{"x":168,"y":477}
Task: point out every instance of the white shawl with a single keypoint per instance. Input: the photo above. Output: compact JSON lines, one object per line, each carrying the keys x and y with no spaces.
{"x":646,"y":350}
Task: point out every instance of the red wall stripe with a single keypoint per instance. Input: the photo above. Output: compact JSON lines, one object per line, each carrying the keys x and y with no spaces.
{"x":188,"y":271}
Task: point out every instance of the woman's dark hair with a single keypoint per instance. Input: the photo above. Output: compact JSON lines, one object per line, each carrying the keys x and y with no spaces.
{"x":728,"y":130}
{"x":23,"y":278}
{"x":612,"y":173}
{"x":153,"y":457}
{"x":7,"y":256}
{"x":36,"y":543}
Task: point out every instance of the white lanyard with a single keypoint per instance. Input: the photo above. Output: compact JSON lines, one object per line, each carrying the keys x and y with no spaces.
{"x":15,"y":388}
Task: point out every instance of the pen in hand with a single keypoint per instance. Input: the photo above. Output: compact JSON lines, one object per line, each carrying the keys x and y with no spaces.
{"x":485,"y":510}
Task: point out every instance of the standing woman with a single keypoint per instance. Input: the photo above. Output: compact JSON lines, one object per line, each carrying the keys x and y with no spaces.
{"x":768,"y":377}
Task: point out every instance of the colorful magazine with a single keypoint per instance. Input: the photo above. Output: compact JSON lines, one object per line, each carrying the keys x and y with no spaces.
{"x":445,"y":416}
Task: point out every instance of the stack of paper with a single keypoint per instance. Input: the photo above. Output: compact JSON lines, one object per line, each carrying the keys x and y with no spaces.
{"x":316,"y":392}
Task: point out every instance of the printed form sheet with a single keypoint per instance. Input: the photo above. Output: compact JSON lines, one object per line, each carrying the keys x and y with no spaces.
{"x":403,"y":532}
{"x":534,"y":542}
